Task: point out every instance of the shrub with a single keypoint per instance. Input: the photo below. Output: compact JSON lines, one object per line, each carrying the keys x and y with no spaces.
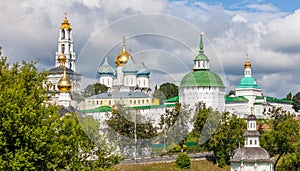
{"x":183,"y":161}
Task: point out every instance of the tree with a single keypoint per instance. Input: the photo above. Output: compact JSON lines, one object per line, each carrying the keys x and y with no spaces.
{"x":296,"y":102}
{"x":226,"y":138}
{"x":33,"y":136}
{"x":283,"y":136}
{"x":166,"y":91}
{"x":122,"y":124}
{"x":289,"y":96}
{"x":93,"y":89}
{"x":176,"y":123}
{"x":183,"y":161}
{"x":231,"y":92}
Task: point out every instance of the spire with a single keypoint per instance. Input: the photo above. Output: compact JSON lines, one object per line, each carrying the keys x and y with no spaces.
{"x":201,"y":51}
{"x":65,"y":24}
{"x":124,"y":45}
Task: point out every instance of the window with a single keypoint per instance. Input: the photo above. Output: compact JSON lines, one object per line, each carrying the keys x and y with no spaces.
{"x":255,"y":142}
{"x":109,"y":102}
{"x":53,"y":87}
{"x":101,"y":102}
{"x":250,"y":142}
{"x":130,"y":101}
{"x":139,"y":102}
{"x":134,"y":102}
{"x":143,"y":101}
{"x":97,"y":102}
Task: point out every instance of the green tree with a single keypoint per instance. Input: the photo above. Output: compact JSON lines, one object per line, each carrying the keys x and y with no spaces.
{"x":296,"y":102}
{"x":183,"y":161}
{"x":289,"y":96}
{"x":226,"y":138}
{"x":283,"y":136}
{"x":231,"y":92}
{"x":290,"y":161}
{"x":166,"y":91}
{"x":93,"y":89}
{"x":33,"y":135}
{"x":122,"y":124}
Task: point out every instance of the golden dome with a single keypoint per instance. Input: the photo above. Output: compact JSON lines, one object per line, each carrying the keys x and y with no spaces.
{"x":61,"y":59}
{"x":64,"y":84}
{"x":65,"y":24}
{"x":123,"y":56}
{"x":114,"y":109}
{"x":247,"y":64}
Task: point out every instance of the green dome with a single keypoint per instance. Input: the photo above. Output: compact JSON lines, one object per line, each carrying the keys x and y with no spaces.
{"x":130,"y":67}
{"x":248,"y":82}
{"x":105,"y":69}
{"x":201,"y":78}
{"x":143,"y":70}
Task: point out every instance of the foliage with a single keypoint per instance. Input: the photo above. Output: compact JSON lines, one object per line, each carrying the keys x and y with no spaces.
{"x":176,"y":122}
{"x":282,"y":137}
{"x":289,"y":96}
{"x":231,"y":92}
{"x":124,"y":123}
{"x":296,"y":102}
{"x":166,"y":91}
{"x":33,"y":136}
{"x":93,"y":89}
{"x":290,"y":161}
{"x":227,"y":137}
{"x":183,"y":161}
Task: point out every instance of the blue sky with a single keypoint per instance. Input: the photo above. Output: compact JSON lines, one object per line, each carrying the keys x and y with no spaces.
{"x":167,"y":32}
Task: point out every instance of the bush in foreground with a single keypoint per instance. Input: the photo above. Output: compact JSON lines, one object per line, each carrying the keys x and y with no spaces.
{"x":183,"y":161}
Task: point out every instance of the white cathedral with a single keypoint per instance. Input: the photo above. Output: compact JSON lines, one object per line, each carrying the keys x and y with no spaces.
{"x":127,"y":76}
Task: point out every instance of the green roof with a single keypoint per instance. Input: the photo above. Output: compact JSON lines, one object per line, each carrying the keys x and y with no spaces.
{"x":172,"y":99}
{"x":275,"y":100}
{"x":105,"y":68}
{"x":203,"y":78}
{"x":248,"y":82}
{"x":229,"y":99}
{"x":153,"y":106}
{"x":130,"y":67}
{"x":98,"y":109}
{"x":201,"y":57}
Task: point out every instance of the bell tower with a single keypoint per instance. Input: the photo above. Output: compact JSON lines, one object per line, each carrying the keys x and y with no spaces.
{"x":65,"y":45}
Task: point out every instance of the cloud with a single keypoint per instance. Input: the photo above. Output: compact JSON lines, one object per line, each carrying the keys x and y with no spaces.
{"x":167,"y":32}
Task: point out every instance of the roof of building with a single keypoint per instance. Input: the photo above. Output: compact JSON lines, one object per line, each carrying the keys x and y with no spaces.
{"x":98,"y":109}
{"x":251,"y":154}
{"x":235,"y":99}
{"x":120,"y":95}
{"x":172,"y":99}
{"x":143,"y":70}
{"x":201,"y":78}
{"x":248,"y":82}
{"x":105,"y":68}
{"x":130,"y":66}
{"x":274,"y":100}
{"x":60,"y":70}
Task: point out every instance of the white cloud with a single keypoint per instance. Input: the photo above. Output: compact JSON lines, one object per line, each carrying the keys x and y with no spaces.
{"x":238,"y":18}
{"x":263,"y":7}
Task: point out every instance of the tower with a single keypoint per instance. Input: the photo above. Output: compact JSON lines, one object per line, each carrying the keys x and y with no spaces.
{"x":130,"y":70}
{"x":106,"y":73}
{"x":65,"y":45}
{"x":251,"y":157}
{"x":248,"y":86}
{"x":64,"y":85}
{"x":202,"y":85}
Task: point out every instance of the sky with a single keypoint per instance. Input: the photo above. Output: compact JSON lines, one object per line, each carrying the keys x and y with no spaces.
{"x":164,"y":35}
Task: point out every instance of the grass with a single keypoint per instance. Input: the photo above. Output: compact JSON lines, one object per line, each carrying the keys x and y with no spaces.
{"x":195,"y":165}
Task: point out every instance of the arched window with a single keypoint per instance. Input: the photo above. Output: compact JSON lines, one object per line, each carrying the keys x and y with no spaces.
{"x":250,"y":142}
